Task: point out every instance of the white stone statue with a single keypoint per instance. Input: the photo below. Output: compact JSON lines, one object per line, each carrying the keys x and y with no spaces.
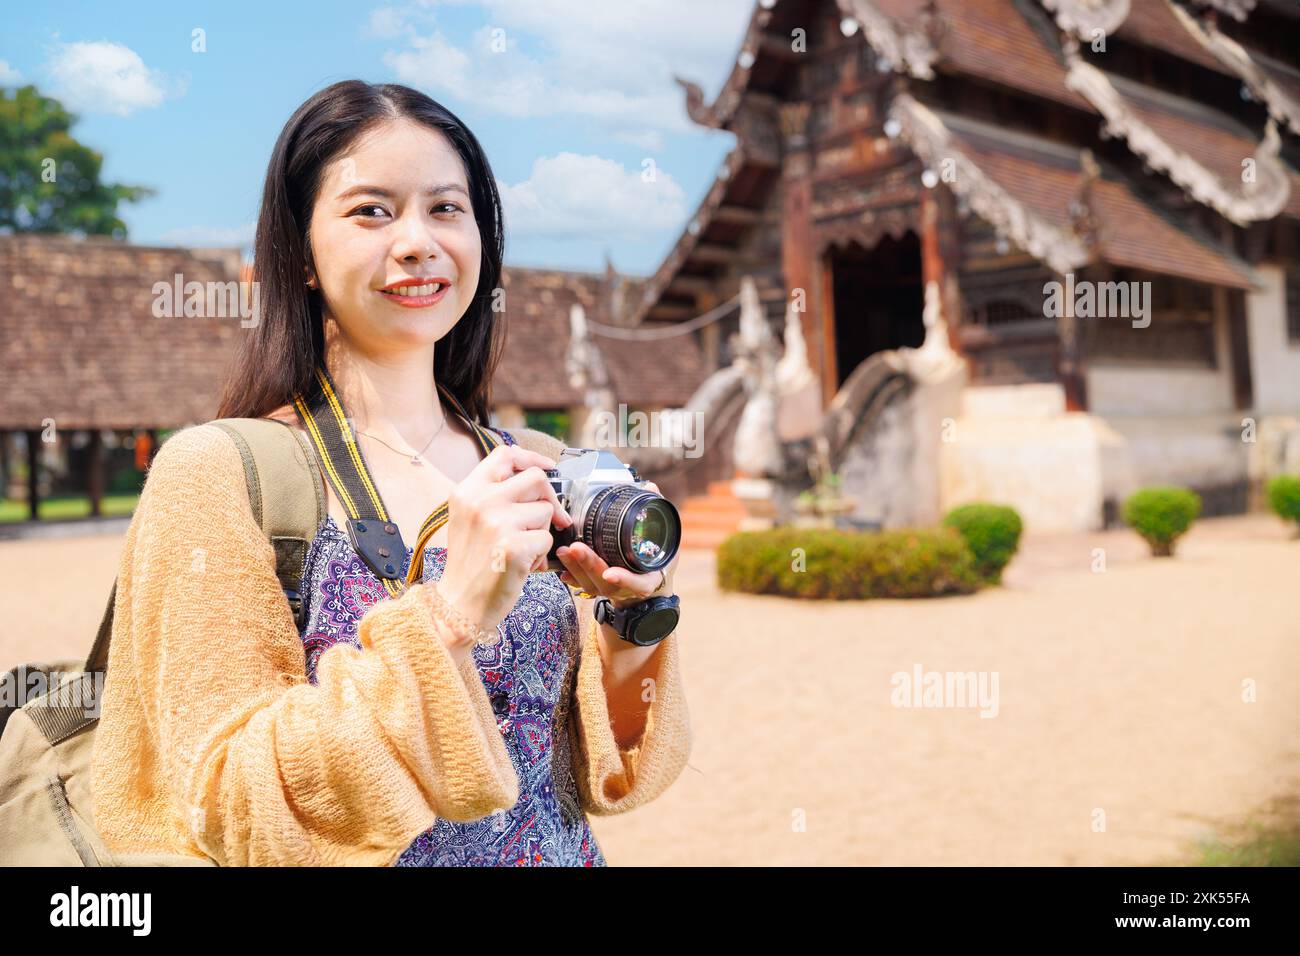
{"x":757,"y":448}
{"x":799,"y":412}
{"x":934,"y":360}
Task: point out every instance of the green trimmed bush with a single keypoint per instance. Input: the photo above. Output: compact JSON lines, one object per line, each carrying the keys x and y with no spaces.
{"x":992,"y":532}
{"x":847,"y":565}
{"x":1284,"y":497}
{"x":1161,"y":514}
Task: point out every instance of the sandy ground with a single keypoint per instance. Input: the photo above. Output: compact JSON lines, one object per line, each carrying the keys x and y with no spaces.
{"x":1121,"y":733}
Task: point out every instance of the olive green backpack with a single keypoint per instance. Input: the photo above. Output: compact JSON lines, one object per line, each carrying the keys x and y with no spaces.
{"x":46,"y":741}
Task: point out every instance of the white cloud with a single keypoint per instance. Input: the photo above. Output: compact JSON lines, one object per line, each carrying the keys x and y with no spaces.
{"x":105,"y":77}
{"x":573,"y":195}
{"x":200,"y":236}
{"x":386,"y":22}
{"x":651,"y":140}
{"x":9,"y":76}
{"x":609,"y":62}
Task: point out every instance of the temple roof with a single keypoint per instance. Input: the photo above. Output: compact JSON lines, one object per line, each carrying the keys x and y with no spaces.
{"x":1017,"y":45}
{"x":1272,"y":82}
{"x":1043,"y":197}
{"x":533,"y":371}
{"x":1151,"y":23}
{"x":1000,"y":41}
{"x":1205,"y":152}
{"x":80,"y":343}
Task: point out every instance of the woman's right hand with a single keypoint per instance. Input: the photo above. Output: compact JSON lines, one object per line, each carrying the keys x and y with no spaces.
{"x":498,"y":532}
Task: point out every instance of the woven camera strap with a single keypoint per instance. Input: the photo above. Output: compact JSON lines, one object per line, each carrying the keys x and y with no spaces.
{"x":374,"y":535}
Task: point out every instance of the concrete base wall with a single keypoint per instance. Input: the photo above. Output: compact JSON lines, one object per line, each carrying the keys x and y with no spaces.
{"x":1016,"y":445}
{"x":1274,"y":360}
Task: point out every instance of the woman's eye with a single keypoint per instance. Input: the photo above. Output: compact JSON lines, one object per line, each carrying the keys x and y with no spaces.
{"x":449,"y":206}
{"x":365,"y":207}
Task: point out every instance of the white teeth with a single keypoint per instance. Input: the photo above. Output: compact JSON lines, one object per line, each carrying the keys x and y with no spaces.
{"x":414,"y":290}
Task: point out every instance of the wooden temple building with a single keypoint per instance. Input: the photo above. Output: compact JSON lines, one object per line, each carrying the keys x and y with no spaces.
{"x":984,"y":150}
{"x":1038,"y":252}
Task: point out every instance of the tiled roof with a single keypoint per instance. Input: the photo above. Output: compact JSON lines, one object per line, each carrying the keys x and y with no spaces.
{"x":1001,"y":41}
{"x":1153,"y":23}
{"x":1202,"y":150}
{"x":1045,"y":178}
{"x":1274,"y":83}
{"x":538,"y":301}
{"x":79,"y":342}
{"x":1006,"y":43}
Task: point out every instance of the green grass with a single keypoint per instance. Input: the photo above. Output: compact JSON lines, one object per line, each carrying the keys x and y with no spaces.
{"x":1273,"y":840}
{"x":68,"y":506}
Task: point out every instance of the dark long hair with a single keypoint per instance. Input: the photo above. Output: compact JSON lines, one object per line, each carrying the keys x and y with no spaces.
{"x":277,"y":359}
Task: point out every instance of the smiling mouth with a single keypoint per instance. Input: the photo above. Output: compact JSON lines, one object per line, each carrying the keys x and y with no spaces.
{"x":415,"y":291}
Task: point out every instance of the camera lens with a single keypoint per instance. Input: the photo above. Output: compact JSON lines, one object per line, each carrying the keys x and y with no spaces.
{"x":635,"y":529}
{"x":651,"y":532}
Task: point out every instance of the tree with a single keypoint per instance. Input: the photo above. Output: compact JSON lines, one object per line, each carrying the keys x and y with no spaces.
{"x":49,"y":182}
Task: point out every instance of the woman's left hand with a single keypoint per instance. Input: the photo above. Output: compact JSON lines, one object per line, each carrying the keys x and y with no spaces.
{"x":589,"y":572}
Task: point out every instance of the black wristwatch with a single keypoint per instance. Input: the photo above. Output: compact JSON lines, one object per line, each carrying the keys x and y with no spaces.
{"x":643,"y":624}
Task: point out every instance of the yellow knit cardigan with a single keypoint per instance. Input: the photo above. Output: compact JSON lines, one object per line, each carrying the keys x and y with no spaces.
{"x":212,"y":742}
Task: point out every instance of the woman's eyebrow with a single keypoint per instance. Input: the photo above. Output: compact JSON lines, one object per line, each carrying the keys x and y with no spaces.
{"x":433,"y":190}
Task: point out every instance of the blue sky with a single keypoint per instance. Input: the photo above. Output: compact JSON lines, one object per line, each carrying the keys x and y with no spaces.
{"x":570,"y":98}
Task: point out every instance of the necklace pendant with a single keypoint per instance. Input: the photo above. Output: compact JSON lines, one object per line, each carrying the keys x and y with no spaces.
{"x":417,"y":460}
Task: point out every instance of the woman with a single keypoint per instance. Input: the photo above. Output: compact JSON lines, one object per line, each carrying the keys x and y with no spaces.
{"x":369,"y":736}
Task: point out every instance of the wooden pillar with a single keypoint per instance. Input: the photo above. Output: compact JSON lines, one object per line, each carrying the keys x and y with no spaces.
{"x":95,"y":471}
{"x":932,"y":260}
{"x":829,"y":368}
{"x":1230,"y":308}
{"x":33,"y":465}
{"x":710,"y":334}
{"x":1069,"y":358}
{"x":947,"y":226}
{"x":1230,"y":311}
{"x":797,"y":265}
{"x":940,"y":256}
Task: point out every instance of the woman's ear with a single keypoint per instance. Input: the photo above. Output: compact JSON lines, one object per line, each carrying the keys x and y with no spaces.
{"x":311,"y":279}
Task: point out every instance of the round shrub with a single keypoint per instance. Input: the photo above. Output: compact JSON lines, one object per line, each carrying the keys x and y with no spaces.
{"x":1161,"y":514}
{"x":992,"y":532}
{"x":1284,"y":497}
{"x":847,"y":565}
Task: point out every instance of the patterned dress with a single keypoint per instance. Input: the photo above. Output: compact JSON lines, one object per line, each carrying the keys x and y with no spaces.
{"x":529,"y":677}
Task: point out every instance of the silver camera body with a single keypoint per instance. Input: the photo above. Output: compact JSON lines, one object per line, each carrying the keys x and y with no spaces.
{"x":613,"y":512}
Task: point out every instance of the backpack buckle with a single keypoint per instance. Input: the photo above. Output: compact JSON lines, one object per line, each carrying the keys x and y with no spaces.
{"x":296,"y":606}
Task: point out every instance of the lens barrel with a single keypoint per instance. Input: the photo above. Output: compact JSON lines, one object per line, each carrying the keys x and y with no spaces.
{"x":633,"y":528}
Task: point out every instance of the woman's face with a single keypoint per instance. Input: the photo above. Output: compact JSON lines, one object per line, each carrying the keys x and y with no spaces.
{"x":395,"y":210}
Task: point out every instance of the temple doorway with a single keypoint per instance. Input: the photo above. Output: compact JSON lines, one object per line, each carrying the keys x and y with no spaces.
{"x":877,"y":299}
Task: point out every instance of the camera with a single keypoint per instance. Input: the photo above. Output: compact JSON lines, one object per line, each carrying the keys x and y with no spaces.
{"x":613,"y":513}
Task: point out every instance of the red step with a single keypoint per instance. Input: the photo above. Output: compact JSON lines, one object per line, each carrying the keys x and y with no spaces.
{"x":708,"y":519}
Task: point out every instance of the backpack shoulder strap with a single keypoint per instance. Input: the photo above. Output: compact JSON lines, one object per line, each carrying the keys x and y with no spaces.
{"x":286,"y":492}
{"x":288,"y":499}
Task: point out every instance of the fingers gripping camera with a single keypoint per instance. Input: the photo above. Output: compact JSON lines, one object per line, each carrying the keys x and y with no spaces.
{"x":613,"y":512}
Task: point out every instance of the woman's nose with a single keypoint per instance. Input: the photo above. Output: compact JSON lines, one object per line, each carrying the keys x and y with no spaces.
{"x":415,"y":240}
